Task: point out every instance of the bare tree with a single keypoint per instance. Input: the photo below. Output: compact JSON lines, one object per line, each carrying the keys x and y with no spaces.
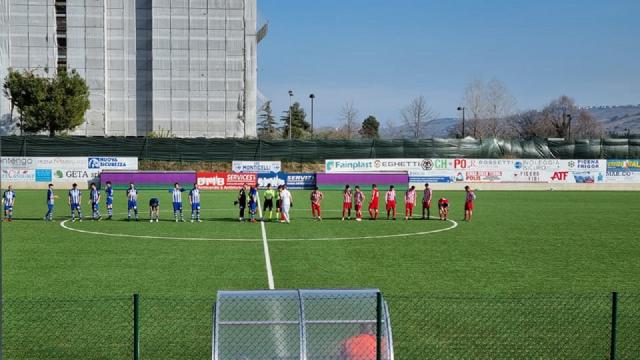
{"x":349,"y":115}
{"x":498,"y":105}
{"x":586,"y":126}
{"x":530,"y":125}
{"x":559,"y":113}
{"x":391,"y":130}
{"x":416,"y":114}
{"x":475,"y":105}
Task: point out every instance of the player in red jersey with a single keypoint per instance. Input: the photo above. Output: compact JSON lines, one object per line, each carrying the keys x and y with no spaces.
{"x":374,"y":204}
{"x":468,"y":203}
{"x":390,"y":202}
{"x":358,"y":199}
{"x":409,"y":202}
{"x":316,"y":198}
{"x":426,"y":201}
{"x":443,"y":208}
{"x":346,"y":202}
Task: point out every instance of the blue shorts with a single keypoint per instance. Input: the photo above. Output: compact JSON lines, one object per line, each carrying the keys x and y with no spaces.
{"x":8,"y":208}
{"x":95,"y":206}
{"x":75,"y":207}
{"x":50,"y":207}
{"x":132,"y":204}
{"x":253,"y":206}
{"x":109,"y":201}
{"x":195,"y":206}
{"x":177,"y":206}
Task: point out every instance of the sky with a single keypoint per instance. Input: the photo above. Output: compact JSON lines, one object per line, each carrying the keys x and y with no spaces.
{"x":380,"y":54}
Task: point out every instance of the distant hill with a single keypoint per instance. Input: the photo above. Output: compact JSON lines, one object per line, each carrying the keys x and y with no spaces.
{"x":615,"y":119}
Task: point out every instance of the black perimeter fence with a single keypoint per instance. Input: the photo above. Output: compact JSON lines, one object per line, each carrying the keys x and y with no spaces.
{"x":425,"y":326}
{"x":201,"y":149}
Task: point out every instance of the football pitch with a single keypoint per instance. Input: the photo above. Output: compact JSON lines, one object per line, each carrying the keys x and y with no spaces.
{"x":518,"y":244}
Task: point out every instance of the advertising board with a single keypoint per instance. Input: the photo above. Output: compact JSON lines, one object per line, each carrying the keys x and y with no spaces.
{"x":258,"y":167}
{"x":301,"y":181}
{"x":275,"y":179}
{"x":338,"y":180}
{"x":225,"y":181}
{"x":148,"y":179}
{"x":623,"y":171}
{"x":37,"y":172}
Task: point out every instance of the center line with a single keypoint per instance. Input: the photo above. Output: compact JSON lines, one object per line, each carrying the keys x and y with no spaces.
{"x":265,"y":245}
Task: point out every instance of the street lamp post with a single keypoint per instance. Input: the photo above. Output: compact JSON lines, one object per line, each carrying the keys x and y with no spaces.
{"x":312,"y":97}
{"x":569,"y":129}
{"x":461,"y":108}
{"x":290,"y":111}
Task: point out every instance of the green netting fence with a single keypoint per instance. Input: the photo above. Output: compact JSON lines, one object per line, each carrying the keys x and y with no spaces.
{"x":201,"y":149}
{"x":425,"y":326}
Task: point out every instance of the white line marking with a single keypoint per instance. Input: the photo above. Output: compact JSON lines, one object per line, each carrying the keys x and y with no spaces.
{"x":265,"y":245}
{"x":454,"y":224}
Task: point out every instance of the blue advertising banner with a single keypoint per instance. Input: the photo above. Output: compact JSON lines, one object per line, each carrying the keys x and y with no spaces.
{"x":623,"y":165}
{"x":275,"y":179}
{"x":431,"y":179}
{"x":44,"y":175}
{"x":301,"y":181}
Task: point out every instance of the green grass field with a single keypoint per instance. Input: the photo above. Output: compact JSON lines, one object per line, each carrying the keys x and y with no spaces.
{"x":569,"y":245}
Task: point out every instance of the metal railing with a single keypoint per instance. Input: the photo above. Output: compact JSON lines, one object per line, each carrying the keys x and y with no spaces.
{"x":425,"y":326}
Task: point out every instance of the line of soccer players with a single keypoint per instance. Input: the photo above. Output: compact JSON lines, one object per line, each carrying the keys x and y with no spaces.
{"x":356,"y":199}
{"x":74,"y":200}
{"x":248,"y":195}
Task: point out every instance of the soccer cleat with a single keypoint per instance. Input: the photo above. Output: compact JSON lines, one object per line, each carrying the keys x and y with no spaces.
{"x":150,"y":220}
{"x":358,"y":219}
{"x":342,"y":219}
{"x":157,"y":220}
{"x":199,"y":220}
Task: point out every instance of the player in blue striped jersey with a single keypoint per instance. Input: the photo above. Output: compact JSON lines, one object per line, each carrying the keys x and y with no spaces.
{"x":51,"y":197}
{"x":75,"y":199}
{"x":108,"y":192}
{"x":132,"y":201}
{"x":8,"y":200}
{"x":94,"y":201}
{"x":176,"y":193}
{"x":194,"y":199}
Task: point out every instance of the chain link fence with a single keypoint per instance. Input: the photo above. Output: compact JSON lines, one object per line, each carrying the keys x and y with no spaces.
{"x":201,"y":149}
{"x":425,"y":326}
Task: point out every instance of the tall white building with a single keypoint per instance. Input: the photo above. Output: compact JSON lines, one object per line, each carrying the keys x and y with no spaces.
{"x":184,"y":67}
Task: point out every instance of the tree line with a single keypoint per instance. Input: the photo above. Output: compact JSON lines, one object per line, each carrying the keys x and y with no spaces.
{"x":489,"y":108}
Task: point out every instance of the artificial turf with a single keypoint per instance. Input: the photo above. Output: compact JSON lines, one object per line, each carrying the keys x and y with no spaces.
{"x":567,"y":244}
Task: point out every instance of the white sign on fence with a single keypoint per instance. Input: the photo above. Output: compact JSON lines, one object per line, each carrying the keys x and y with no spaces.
{"x":257,"y":167}
{"x":37,"y":172}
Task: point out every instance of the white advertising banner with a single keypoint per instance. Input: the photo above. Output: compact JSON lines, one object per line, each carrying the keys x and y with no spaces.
{"x":484,"y":170}
{"x":37,"y":172}
{"x":256,"y":167}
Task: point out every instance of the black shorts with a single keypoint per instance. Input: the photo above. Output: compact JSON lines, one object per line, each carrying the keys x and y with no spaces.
{"x":278,"y":204}
{"x":268,"y":204}
{"x":443,"y":206}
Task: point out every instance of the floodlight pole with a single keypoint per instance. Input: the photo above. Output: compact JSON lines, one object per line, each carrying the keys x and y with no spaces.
{"x":379,"y":305}
{"x":290,"y":111}
{"x":312,"y":97}
{"x":461,"y":108}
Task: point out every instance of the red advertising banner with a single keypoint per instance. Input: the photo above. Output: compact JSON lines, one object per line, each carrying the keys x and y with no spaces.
{"x":225,"y":181}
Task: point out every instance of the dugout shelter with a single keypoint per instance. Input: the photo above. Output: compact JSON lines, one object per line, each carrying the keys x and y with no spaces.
{"x":301,"y":324}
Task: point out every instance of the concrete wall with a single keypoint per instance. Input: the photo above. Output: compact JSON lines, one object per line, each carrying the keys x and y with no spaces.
{"x":183,"y":66}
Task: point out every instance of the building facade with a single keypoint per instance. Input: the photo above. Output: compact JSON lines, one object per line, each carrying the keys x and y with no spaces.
{"x":185,"y":68}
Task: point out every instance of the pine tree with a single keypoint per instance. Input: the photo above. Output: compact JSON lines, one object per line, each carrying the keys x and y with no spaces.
{"x":300,"y":127}
{"x":267,"y":125}
{"x":370,"y":128}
